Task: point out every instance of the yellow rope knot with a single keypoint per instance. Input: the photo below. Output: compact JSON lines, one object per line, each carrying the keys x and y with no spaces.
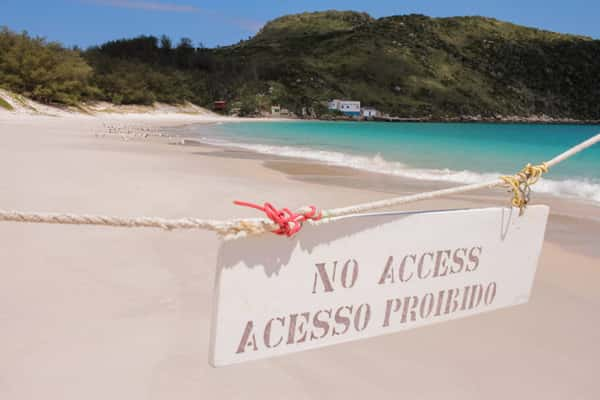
{"x":520,"y":184}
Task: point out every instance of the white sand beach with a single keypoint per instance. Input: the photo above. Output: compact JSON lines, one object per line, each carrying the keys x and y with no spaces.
{"x":110,"y":313}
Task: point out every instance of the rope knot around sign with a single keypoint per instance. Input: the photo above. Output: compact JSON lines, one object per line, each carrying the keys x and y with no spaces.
{"x":520,"y":184}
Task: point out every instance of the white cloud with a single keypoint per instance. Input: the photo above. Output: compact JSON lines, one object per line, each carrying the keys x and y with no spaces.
{"x":148,"y":5}
{"x":248,"y":25}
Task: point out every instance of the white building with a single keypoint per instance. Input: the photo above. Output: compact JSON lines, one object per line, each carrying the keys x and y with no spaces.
{"x":278,"y":111}
{"x":369,"y":112}
{"x":348,"y":107}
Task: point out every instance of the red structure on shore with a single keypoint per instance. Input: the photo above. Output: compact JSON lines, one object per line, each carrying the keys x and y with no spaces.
{"x":219,"y":105}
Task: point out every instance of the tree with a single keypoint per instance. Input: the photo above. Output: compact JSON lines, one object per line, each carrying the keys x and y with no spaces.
{"x":46,"y":72}
{"x":165,"y":43}
{"x":184,"y":53}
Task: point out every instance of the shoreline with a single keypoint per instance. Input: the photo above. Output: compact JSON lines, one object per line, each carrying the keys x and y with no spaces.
{"x":558,"y":187}
{"x":563,"y":228}
{"x":564,"y":225}
{"x":466,"y":119}
{"x":160,"y":129}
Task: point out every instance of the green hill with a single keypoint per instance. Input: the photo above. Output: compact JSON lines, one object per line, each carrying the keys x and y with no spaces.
{"x":407,"y":66}
{"x":417,"y":66}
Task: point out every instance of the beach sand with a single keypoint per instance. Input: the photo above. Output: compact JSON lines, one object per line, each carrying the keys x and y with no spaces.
{"x":109,"y":313}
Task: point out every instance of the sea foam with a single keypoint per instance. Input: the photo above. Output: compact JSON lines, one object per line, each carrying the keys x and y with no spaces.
{"x":583,"y":189}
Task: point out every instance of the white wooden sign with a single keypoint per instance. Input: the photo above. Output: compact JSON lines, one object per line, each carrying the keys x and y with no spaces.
{"x":369,"y":275}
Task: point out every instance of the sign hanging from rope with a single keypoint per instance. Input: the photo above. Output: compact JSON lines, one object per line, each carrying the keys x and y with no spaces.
{"x":370,"y":275}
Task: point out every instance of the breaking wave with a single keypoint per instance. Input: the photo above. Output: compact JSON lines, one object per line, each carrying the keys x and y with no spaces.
{"x":584,"y":189}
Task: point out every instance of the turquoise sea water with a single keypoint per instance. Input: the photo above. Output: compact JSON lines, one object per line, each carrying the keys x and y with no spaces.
{"x":461,"y":153}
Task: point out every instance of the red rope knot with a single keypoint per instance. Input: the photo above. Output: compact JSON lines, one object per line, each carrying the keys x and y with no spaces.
{"x":288,"y":221}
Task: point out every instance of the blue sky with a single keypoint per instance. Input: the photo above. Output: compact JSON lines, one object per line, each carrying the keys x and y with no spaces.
{"x":88,"y":22}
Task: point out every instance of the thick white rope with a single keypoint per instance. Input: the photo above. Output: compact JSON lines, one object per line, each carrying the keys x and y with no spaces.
{"x":235,"y":228}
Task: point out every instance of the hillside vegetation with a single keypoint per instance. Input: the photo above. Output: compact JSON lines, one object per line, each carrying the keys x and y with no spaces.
{"x":43,"y":71}
{"x":407,"y":66}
